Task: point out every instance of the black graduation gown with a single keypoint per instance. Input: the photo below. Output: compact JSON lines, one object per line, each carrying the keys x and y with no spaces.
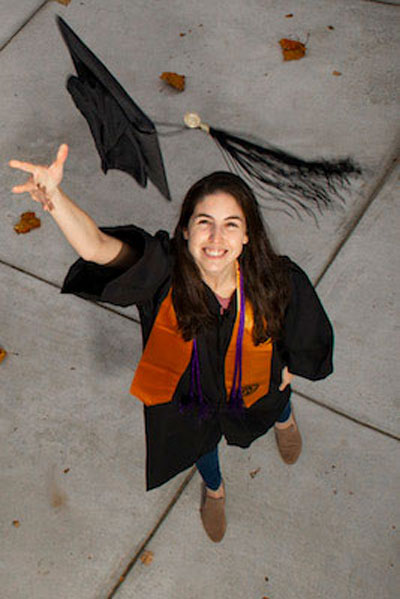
{"x":176,"y":440}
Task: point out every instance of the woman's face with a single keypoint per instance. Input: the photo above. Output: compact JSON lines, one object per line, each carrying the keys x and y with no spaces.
{"x":216,"y":234}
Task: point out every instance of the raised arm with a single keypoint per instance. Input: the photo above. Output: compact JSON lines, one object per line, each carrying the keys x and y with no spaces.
{"x":77,"y":226}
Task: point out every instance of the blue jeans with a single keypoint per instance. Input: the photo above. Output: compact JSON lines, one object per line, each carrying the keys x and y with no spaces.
{"x":208,"y":464}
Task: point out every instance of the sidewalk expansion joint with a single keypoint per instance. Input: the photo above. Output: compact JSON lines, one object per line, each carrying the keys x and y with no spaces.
{"x":55,"y":286}
{"x":21,"y":27}
{"x":347,"y":416}
{"x":359,"y":214}
{"x":386,"y":2}
{"x":147,"y":540}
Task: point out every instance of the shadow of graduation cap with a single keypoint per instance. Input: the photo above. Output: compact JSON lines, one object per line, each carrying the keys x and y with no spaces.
{"x":126,"y":139}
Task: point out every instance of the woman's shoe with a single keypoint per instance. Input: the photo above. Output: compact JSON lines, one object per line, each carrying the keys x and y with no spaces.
{"x":289,"y":442}
{"x":212,"y":512}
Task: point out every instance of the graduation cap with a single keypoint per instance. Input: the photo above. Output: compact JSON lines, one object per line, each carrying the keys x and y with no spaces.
{"x":126,"y":139}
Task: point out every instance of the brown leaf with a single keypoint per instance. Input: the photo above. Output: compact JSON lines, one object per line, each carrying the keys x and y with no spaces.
{"x":16,"y":523}
{"x":28,"y":221}
{"x":3,"y":354}
{"x":292,"y":49}
{"x":254,"y":473}
{"x":147,"y":557}
{"x":65,"y":2}
{"x":289,"y":16}
{"x":336,"y":73}
{"x":176,"y":81}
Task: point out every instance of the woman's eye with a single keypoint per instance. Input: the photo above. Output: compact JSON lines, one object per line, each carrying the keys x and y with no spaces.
{"x":233,"y":225}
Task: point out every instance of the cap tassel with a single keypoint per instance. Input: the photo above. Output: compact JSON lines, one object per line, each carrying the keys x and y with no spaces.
{"x":298,"y":185}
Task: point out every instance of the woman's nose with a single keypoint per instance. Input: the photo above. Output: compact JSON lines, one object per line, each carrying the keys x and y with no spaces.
{"x":216,"y":232}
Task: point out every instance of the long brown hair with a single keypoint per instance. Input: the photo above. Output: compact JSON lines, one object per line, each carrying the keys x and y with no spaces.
{"x":266,"y":280}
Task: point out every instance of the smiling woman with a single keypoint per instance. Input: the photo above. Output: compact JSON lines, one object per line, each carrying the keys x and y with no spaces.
{"x":226,"y":323}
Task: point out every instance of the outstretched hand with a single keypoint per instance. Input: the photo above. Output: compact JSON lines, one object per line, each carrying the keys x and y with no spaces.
{"x":43,"y":180}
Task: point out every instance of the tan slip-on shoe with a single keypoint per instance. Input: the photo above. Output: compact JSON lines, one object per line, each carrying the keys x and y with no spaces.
{"x":212,"y":512}
{"x":289,"y":442}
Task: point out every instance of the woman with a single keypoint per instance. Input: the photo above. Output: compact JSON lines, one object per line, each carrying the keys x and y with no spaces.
{"x":226,"y":323}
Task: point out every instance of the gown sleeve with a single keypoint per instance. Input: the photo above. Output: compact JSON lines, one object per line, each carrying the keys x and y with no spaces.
{"x":307,"y":342}
{"x":120,"y":285}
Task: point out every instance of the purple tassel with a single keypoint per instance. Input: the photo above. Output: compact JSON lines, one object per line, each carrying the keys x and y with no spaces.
{"x":195,"y":383}
{"x":236,"y":404}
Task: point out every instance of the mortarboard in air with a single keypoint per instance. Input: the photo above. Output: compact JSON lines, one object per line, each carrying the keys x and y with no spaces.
{"x":125,"y":138}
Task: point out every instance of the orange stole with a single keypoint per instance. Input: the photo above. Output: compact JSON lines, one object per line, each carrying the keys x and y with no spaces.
{"x":166,"y":357}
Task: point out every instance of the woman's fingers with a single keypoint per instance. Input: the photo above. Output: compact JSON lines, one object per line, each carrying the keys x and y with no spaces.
{"x":62,"y":154}
{"x":23,"y":166}
{"x":287,"y":378}
{"x":29,"y":186}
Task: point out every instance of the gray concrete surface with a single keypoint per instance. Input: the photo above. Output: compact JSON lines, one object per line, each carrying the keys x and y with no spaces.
{"x":72,"y":451}
{"x":326,"y":527}
{"x":13,"y":16}
{"x":360,"y":292}
{"x":320,"y":529}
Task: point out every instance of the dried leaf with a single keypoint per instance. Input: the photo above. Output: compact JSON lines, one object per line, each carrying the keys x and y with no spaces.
{"x":292,"y":49}
{"x":254,"y":473}
{"x":16,"y":523}
{"x":336,"y":73}
{"x":28,"y":221}
{"x":289,"y":16}
{"x":176,"y":81}
{"x":147,"y":557}
{"x":3,"y":354}
{"x":65,"y":2}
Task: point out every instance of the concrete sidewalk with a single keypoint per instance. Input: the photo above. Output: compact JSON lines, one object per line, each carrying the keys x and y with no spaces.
{"x":74,"y":514}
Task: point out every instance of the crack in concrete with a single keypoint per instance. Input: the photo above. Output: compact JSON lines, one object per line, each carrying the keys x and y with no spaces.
{"x":147,"y":540}
{"x":385,"y":2}
{"x":21,"y":27}
{"x":347,"y":416}
{"x":55,"y":286}
{"x":360,"y":212}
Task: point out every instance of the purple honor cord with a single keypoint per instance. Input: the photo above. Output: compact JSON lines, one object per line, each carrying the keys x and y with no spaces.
{"x":236,"y":399}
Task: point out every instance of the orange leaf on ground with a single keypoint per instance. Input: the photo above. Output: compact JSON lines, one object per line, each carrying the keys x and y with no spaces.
{"x":176,"y":81}
{"x":292,"y":49}
{"x":28,"y":221}
{"x":65,"y":2}
{"x":336,"y":73}
{"x":16,"y":523}
{"x":3,"y":354}
{"x":254,"y":473}
{"x":147,"y":557}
